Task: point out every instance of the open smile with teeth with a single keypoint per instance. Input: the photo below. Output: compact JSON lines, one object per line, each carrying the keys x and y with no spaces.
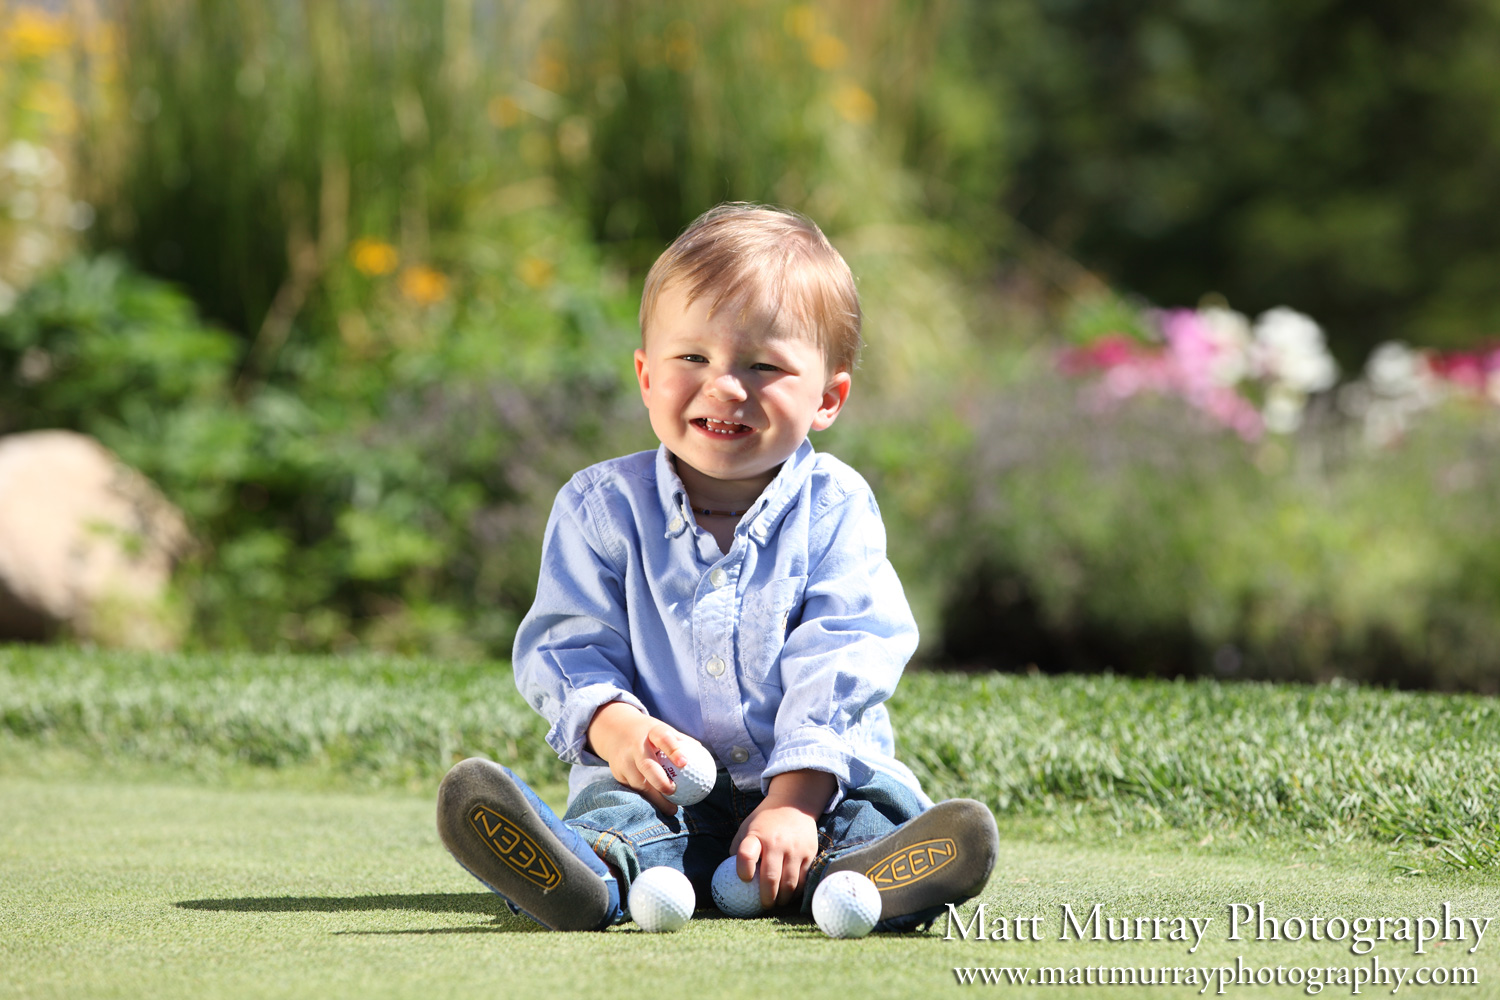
{"x":725,"y":427}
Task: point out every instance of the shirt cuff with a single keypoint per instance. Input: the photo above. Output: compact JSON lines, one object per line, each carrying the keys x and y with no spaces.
{"x":816,"y":748}
{"x":569,"y":735}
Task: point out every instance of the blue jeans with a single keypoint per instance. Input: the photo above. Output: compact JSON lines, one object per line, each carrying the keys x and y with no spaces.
{"x":628,"y":833}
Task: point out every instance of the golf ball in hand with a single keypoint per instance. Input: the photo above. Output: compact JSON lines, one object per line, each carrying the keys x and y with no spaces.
{"x":661,"y":900}
{"x":846,"y":905}
{"x":695,"y":780}
{"x":733,"y":896}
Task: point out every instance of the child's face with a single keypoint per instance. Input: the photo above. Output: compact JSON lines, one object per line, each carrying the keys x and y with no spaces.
{"x":730,"y":401}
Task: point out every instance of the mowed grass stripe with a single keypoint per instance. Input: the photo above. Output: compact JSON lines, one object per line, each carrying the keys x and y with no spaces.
{"x":1333,"y":761}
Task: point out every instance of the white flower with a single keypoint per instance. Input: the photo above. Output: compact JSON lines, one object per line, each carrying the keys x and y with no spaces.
{"x":1229,"y":332}
{"x":1289,"y":350}
{"x":22,"y":159}
{"x":32,"y":250}
{"x":1283,"y":410}
{"x":1392,"y":368}
{"x":1396,"y":370}
{"x":1398,"y":385}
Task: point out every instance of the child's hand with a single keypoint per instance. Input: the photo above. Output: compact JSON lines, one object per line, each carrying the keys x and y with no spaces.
{"x":628,"y":739}
{"x":781,"y":834}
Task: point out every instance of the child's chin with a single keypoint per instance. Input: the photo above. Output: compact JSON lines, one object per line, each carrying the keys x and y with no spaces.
{"x":730,"y":472}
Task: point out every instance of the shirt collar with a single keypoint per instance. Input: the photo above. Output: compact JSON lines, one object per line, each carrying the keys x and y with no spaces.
{"x":764,"y":514}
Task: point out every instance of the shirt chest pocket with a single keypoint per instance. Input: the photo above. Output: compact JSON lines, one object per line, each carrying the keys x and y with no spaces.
{"x":767,"y":616}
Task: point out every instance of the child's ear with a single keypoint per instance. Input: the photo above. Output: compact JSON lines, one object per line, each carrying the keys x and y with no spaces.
{"x":643,"y":376}
{"x":835,"y":395}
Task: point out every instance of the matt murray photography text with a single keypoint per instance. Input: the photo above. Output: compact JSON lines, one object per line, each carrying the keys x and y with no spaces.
{"x":1242,"y":922}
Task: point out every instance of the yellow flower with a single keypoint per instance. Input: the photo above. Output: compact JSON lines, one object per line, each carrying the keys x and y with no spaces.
{"x":682,"y":46}
{"x":423,"y":285}
{"x":549,"y":71}
{"x":535,"y":271}
{"x":854,"y":103}
{"x":504,"y":112}
{"x":373,"y":257}
{"x":35,"y":34}
{"x":827,"y":52}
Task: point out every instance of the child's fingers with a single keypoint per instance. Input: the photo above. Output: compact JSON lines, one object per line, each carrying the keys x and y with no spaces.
{"x":798,"y":881}
{"x":771,"y":889}
{"x":748,"y":853}
{"x":792,"y":872}
{"x":656,"y":776}
{"x":669,"y":741}
{"x":633,"y":775}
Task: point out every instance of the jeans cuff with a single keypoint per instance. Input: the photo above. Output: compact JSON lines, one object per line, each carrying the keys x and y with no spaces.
{"x":617,"y":852}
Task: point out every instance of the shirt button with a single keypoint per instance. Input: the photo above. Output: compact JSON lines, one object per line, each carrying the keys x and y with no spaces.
{"x":676,"y":524}
{"x":739,"y":755}
{"x":714,"y":666}
{"x":717,"y":577}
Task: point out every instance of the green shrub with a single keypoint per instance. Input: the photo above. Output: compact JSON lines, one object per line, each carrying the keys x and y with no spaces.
{"x":397,"y":499}
{"x":96,"y":347}
{"x":1041,"y":533}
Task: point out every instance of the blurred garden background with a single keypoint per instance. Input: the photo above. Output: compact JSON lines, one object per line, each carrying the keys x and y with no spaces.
{"x":1181,"y":315}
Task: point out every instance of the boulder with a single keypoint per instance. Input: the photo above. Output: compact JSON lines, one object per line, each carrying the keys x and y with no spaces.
{"x":87,"y":545}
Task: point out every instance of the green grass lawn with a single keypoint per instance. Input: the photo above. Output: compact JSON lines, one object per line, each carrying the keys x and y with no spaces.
{"x":238,"y":826}
{"x":135,"y":889}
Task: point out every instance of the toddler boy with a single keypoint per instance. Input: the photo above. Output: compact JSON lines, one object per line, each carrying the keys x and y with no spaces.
{"x":731,"y":588}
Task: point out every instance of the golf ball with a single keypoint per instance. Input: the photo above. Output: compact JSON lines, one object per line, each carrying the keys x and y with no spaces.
{"x":733,"y":896}
{"x":661,"y":900}
{"x":694,"y":781}
{"x":846,"y":905}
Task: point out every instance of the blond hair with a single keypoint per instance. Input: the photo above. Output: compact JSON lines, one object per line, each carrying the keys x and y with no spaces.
{"x":770,"y":262}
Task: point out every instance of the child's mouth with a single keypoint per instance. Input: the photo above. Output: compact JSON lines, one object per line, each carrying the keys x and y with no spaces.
{"x":725,"y":427}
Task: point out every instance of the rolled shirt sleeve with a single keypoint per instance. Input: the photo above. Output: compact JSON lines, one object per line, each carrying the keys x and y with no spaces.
{"x":843,"y":659}
{"x":572,"y":651}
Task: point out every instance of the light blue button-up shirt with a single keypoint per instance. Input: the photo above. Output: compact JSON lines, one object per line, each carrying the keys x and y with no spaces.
{"x":777,"y":655}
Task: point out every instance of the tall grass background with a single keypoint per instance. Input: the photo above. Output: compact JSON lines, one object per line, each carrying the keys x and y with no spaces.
{"x":1079,"y":755}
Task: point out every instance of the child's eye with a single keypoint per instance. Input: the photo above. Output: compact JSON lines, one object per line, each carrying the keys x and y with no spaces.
{"x":764,"y":366}
{"x":698,"y":358}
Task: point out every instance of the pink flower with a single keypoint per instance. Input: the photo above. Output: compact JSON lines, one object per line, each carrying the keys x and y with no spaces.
{"x":1469,"y":369}
{"x":1201,"y":361}
{"x":1102,"y":355}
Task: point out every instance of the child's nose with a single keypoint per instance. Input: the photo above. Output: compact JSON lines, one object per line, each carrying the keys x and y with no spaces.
{"x":726,"y":386}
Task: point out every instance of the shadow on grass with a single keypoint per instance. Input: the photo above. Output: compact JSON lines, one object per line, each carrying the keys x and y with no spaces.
{"x":482,"y":903}
{"x":506,"y":923}
{"x":789,"y":923}
{"x":486,"y":903}
{"x":502,"y":925}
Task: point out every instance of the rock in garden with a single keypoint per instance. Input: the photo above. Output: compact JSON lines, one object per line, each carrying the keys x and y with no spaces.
{"x":87,"y":544}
